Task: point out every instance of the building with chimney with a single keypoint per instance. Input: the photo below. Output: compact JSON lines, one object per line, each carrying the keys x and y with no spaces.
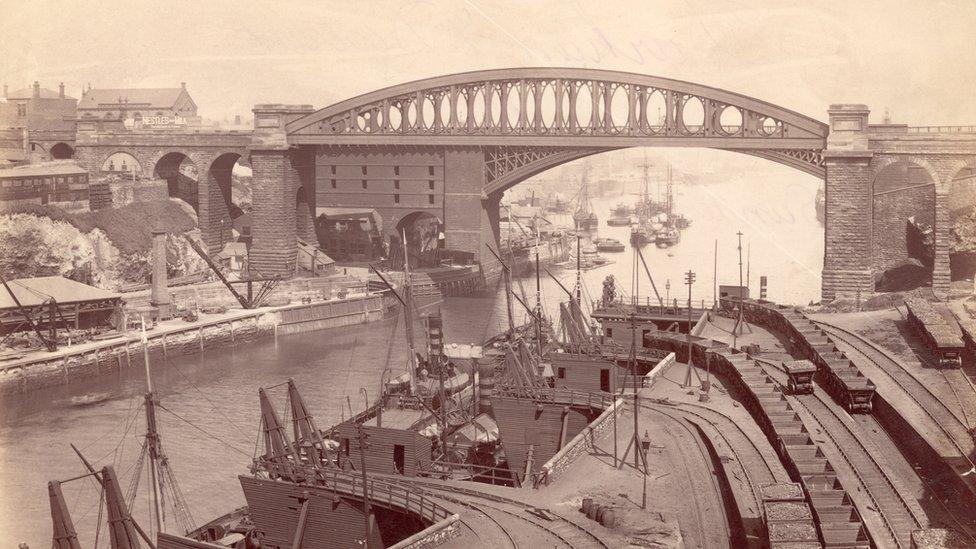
{"x":36,"y":124}
{"x":138,"y":108}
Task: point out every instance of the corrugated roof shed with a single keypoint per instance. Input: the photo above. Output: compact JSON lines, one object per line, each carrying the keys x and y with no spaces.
{"x":32,"y":292}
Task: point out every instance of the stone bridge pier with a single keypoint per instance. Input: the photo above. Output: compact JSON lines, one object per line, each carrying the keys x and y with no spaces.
{"x":879,"y":175}
{"x":291,"y":181}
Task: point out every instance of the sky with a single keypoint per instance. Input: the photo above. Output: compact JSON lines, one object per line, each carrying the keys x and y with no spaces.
{"x":915,"y":59}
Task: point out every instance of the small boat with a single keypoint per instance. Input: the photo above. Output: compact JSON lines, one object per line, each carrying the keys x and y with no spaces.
{"x":608,"y":245}
{"x":89,"y":399}
{"x":668,"y":237}
{"x":621,"y":221}
{"x":640,"y":235}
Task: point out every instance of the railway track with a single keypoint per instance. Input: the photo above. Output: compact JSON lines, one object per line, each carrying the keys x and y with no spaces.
{"x":700,"y":514}
{"x":754,"y":464}
{"x":896,"y":509}
{"x":932,"y":406}
{"x":567,"y":532}
{"x":898,"y":512}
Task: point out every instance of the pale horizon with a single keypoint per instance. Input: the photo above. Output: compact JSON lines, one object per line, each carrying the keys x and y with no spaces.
{"x":232,"y":56}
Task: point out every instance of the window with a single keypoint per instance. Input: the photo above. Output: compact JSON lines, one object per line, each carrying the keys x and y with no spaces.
{"x":609,"y":332}
{"x":430,"y":199}
{"x":430,"y":184}
{"x":364,"y":170}
{"x":364,"y":183}
{"x":396,"y":199}
{"x":333,"y":183}
{"x":561,"y":373}
{"x":21,"y":109}
{"x":396,"y":170}
{"x":344,"y":446}
{"x":430,"y":170}
{"x":333,"y":169}
{"x":60,"y":179}
{"x":396,"y":183}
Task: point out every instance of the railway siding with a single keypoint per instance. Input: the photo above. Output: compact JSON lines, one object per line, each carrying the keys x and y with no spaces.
{"x":837,"y":522}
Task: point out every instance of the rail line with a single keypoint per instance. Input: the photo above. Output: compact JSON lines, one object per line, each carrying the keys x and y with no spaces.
{"x":895,"y":512}
{"x":743,"y":454}
{"x":699,"y":513}
{"x":933,"y":407}
{"x":456,"y":494}
{"x":864,"y":460}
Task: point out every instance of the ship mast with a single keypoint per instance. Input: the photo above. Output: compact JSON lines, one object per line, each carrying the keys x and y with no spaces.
{"x":408,"y":312}
{"x":153,"y":446}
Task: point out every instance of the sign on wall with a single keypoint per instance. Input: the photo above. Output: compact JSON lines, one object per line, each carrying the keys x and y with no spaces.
{"x":156,"y":122}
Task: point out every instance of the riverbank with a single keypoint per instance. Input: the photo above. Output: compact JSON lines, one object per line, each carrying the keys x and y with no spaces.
{"x":40,"y":369}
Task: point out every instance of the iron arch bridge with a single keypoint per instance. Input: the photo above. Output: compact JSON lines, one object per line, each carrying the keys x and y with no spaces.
{"x":530,"y":119}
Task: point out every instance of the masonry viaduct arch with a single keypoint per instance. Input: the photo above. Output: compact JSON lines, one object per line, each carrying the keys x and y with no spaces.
{"x":161,"y":155}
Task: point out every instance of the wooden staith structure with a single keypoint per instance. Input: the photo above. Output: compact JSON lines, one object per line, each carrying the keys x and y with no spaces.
{"x":71,"y":304}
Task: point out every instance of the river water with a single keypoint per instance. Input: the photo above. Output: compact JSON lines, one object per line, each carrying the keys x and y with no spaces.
{"x":210,"y":420}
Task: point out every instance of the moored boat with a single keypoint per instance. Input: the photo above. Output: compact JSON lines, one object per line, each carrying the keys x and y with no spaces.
{"x":608,"y":245}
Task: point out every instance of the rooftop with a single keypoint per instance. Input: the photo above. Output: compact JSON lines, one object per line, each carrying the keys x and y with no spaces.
{"x":44,"y":168}
{"x":28,"y":93}
{"x":151,"y":97}
{"x":32,"y":292}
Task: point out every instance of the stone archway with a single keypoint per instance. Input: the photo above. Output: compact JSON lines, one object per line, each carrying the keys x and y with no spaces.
{"x":181,"y":176}
{"x":904,"y":221}
{"x":62,"y":151}
{"x":961,"y":218}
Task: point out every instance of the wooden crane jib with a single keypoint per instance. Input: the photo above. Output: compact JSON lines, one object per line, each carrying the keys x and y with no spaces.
{"x":251,"y":300}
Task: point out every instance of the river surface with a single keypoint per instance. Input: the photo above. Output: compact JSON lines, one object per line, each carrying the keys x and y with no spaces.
{"x":211,"y":416}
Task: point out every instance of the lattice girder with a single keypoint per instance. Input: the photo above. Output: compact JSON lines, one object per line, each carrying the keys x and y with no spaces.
{"x":558,"y":107}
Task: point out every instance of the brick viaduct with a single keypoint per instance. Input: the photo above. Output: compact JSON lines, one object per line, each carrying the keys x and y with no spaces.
{"x":450,"y":146}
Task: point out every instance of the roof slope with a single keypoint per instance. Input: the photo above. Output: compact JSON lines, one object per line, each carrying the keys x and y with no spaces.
{"x":32,"y":292}
{"x":153,"y":97}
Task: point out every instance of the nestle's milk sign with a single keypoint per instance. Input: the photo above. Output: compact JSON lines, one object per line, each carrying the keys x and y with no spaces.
{"x":156,"y":121}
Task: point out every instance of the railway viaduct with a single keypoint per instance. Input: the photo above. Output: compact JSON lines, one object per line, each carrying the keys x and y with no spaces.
{"x":196,"y":164}
{"x":450,"y":146}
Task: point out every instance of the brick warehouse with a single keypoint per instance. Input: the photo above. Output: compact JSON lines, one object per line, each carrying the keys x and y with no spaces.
{"x":450,"y":146}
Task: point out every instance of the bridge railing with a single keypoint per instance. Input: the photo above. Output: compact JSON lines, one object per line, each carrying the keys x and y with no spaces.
{"x":942,"y":129}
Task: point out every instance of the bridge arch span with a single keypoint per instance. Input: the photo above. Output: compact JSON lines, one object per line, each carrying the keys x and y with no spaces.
{"x":568,"y":108}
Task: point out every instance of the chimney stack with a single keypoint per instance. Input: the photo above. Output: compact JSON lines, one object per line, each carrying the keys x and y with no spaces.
{"x":37,"y":89}
{"x":159,"y":296}
{"x":183,"y":85}
{"x":61,"y":90}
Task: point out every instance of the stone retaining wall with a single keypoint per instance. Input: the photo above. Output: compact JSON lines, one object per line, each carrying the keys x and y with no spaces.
{"x":432,"y":536}
{"x":582,"y":443}
{"x":90,"y":360}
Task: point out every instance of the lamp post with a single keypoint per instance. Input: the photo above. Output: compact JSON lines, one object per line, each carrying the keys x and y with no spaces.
{"x":689,"y":280}
{"x":738,"y":322}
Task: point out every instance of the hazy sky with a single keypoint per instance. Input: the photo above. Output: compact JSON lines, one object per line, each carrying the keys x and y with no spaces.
{"x":917,"y":58}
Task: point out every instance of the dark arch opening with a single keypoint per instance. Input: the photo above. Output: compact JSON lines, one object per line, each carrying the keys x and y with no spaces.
{"x":962,"y":222}
{"x":182,"y":180}
{"x":62,"y":151}
{"x":425,"y":237}
{"x":903,"y":237}
{"x":229,"y":195}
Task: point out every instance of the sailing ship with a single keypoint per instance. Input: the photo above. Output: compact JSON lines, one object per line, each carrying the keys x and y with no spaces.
{"x":642,"y":232}
{"x":584,"y":217}
{"x":670,"y":233}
